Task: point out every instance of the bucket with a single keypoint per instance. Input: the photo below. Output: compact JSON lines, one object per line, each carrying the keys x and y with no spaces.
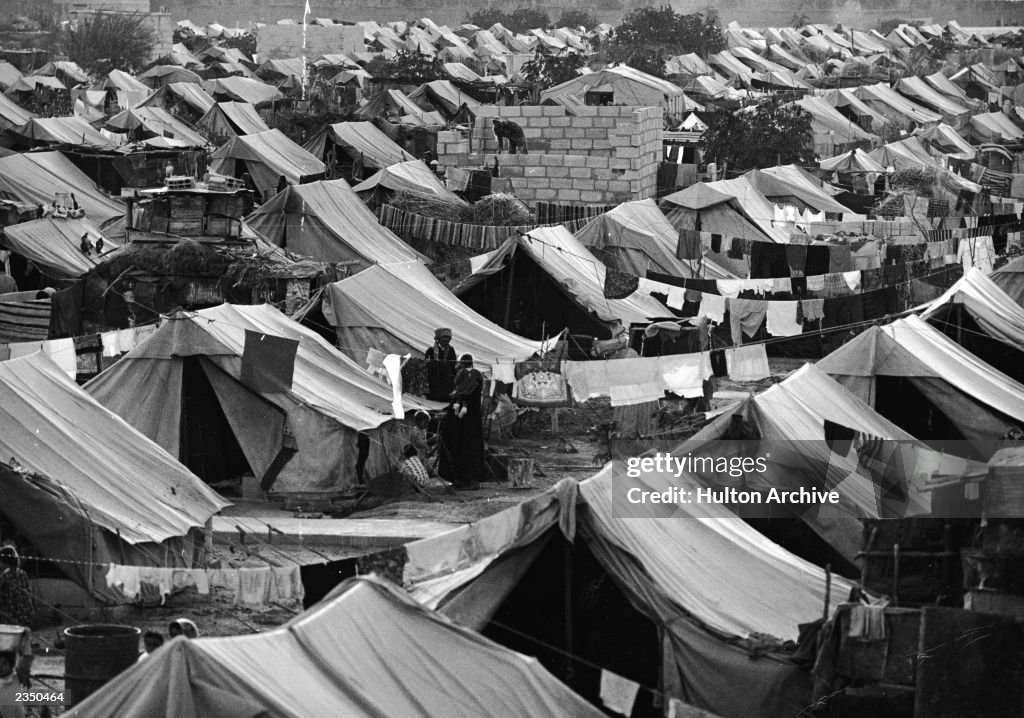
{"x":95,"y":654}
{"x":520,"y":473}
{"x":13,"y":638}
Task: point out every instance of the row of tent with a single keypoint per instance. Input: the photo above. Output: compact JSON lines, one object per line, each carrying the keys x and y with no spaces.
{"x":704,"y":578}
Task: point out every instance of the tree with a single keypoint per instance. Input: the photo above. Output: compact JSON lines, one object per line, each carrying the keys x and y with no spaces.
{"x":409,"y":67}
{"x":649,"y":36}
{"x":518,"y":20}
{"x":549,"y":69}
{"x":577,"y":18}
{"x":761,"y":136}
{"x":108,"y":41}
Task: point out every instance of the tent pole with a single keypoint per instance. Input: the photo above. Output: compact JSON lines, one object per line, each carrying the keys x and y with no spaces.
{"x":508,"y":290}
{"x":567,"y":607}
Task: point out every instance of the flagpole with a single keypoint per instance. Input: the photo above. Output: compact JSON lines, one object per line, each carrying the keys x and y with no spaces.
{"x":305,"y":17}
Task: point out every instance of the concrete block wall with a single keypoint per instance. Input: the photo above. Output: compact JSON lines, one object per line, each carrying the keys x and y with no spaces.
{"x":598,"y":155}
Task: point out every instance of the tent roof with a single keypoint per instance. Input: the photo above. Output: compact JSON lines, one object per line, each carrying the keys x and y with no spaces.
{"x":121,"y":80}
{"x":920,"y":91}
{"x":641,"y":238}
{"x":363,"y":139}
{"x":325,"y":380}
{"x":243,"y":89}
{"x":888,"y":96}
{"x":788,"y":181}
{"x":63,"y":131}
{"x":943,"y":138}
{"x":341,"y":218}
{"x":167,"y":74}
{"x":994,"y":311}
{"x":276,"y":151}
{"x":34,"y":177}
{"x":944,"y":85}
{"x":188,"y":92}
{"x":711,"y":563}
{"x":242,"y":116}
{"x":996,"y":127}
{"x":410,"y":176}
{"x":1011,"y":279}
{"x":128,"y":484}
{"x":581,"y":276}
{"x":365,"y":650}
{"x":910,"y":347}
{"x":856,"y":160}
{"x":13,"y":114}
{"x":698,"y":196}
{"x":448,"y":95}
{"x":159,"y":122}
{"x":55,"y":244}
{"x":830,"y":118}
{"x":417,"y":303}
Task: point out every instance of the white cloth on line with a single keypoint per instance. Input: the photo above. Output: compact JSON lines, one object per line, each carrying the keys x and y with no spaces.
{"x":62,"y":353}
{"x":629,"y":394}
{"x":712,"y":306}
{"x":124,"y":579}
{"x":747,"y":363}
{"x":23,"y":349}
{"x":852,"y":280}
{"x":676,"y":297}
{"x":684,"y":374}
{"x":782,"y":319}
{"x":504,"y":370}
{"x":729,"y":287}
{"x":393,"y":367}
{"x":617,"y":693}
{"x":126,"y":339}
{"x":111,"y":345}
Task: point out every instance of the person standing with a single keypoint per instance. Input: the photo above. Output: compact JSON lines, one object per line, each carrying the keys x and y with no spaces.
{"x":462,"y":452}
{"x":441,"y":366}
{"x":16,"y":604}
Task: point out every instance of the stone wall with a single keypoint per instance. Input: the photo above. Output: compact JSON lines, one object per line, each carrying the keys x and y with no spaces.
{"x":283,"y":41}
{"x":602,"y":155}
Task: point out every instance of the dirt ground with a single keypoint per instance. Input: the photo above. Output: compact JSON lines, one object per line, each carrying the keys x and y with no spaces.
{"x":574,"y":451}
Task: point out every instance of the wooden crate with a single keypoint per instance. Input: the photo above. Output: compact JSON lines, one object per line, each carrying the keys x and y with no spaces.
{"x":222,"y":227}
{"x":185,"y":227}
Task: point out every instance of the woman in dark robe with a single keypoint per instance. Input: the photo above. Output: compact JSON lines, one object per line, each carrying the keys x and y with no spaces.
{"x":441,"y":366}
{"x":462,"y":432}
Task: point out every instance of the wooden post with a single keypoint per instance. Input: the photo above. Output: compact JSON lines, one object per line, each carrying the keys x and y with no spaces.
{"x":567,"y":608}
{"x":896,"y":574}
{"x":828,"y":589}
{"x":554,"y":421}
{"x":508,"y":291}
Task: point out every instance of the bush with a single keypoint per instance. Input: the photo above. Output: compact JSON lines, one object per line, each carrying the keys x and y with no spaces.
{"x":519,"y":20}
{"x":110,"y":41}
{"x":578,"y":18}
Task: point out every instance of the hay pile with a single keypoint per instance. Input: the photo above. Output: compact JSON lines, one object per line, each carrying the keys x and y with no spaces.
{"x":496,"y":210}
{"x":187,"y":258}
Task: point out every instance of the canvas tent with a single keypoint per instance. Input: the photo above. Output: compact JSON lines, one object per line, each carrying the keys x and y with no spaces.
{"x":396,"y":307}
{"x":358,"y":141}
{"x":1011,"y":280}
{"x":636,"y":237}
{"x":331,"y":399}
{"x":731,"y":208}
{"x":327,"y":221}
{"x":624,"y":86}
{"x":12,"y":114}
{"x":62,"y":131}
{"x":982,"y":318}
{"x":241,"y":89}
{"x":155,"y":122}
{"x":54,"y":245}
{"x":189,"y":93}
{"x":365,"y":650}
{"x":982,"y":404}
{"x":267,"y":156}
{"x":410,"y":176}
{"x":90,"y":487}
{"x":225,"y":120}
{"x":35,"y":177}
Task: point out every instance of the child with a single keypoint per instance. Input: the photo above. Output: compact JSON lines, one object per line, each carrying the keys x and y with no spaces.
{"x":467,"y":380}
{"x":152,"y":641}
{"x":413,"y":468}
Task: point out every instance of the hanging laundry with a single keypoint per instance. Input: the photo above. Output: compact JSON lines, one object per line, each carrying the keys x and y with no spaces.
{"x":812,"y":309}
{"x":268,"y":362}
{"x":126,"y":339}
{"x":852,"y":280}
{"x":729,"y":287}
{"x":619,"y":285}
{"x":712,"y":306}
{"x":747,"y":363}
{"x":840,"y":258}
{"x":393,"y":367}
{"x":796,"y":257}
{"x":816,"y":283}
{"x":617,"y":693}
{"x":676,"y":298}
{"x":689,"y":245}
{"x":684,"y":374}
{"x":781,"y":319}
{"x":746,"y":317}
{"x":503,"y":370}
{"x":62,"y":353}
{"x":111,"y":345}
{"x":23,"y":349}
